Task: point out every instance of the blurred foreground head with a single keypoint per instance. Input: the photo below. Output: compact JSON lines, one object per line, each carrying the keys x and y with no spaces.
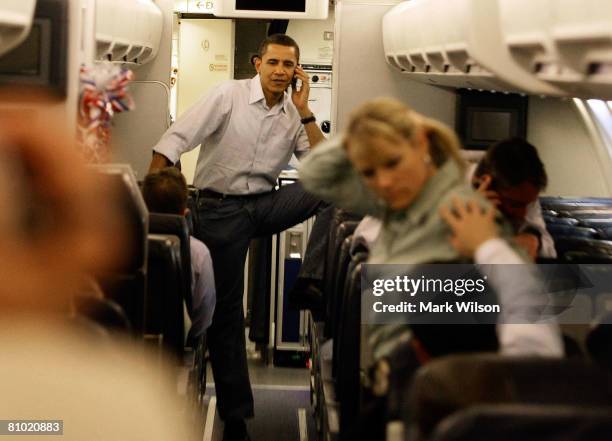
{"x":59,"y":222}
{"x":56,"y":222}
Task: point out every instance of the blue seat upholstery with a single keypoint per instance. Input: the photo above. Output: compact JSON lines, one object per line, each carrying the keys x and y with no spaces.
{"x":572,"y":231}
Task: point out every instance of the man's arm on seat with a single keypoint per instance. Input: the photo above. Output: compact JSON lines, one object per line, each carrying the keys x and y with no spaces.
{"x":193,"y":127}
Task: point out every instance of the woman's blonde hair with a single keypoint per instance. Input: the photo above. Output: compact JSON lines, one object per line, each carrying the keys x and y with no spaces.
{"x":391,"y":119}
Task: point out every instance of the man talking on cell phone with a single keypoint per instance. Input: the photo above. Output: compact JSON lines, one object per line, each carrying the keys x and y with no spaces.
{"x":248,"y":130}
{"x":511,"y":175}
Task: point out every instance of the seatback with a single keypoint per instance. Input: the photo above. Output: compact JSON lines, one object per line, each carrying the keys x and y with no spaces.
{"x":596,"y":222}
{"x":582,"y":247}
{"x":349,"y":335}
{"x":526,"y":422}
{"x":456,"y":382}
{"x":104,"y":312}
{"x":125,"y":282}
{"x":557,"y":230}
{"x":175,"y":225}
{"x":547,"y":201}
{"x":338,"y":217}
{"x":339,"y":266}
{"x":563,"y":205}
{"x":586,"y":214}
{"x":164,"y":307}
{"x":335,"y":301}
{"x":550,"y":221}
{"x":606,"y":233}
{"x":343,"y":314}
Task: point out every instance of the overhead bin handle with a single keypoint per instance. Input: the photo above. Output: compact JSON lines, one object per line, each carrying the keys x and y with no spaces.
{"x":581,"y":49}
{"x":529,"y":52}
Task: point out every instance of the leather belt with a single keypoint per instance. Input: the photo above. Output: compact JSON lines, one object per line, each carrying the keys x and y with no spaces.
{"x":215,"y":195}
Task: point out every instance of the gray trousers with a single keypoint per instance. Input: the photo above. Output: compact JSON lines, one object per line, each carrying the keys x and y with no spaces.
{"x":227,"y":226}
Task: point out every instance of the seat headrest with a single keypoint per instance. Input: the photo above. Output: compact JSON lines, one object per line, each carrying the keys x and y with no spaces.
{"x":525,"y":422}
{"x":162,"y":223}
{"x":448,"y":384}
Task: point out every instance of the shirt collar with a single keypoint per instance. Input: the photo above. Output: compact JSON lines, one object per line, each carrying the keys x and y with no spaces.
{"x":446,"y":177}
{"x":257,"y":94}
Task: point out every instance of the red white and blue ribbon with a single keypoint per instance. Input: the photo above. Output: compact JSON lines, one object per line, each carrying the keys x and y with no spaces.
{"x":103,"y":92}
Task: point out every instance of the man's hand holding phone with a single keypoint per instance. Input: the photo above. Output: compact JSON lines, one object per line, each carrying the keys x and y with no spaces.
{"x":300,"y":97}
{"x":484,"y":186}
{"x":300,"y":100}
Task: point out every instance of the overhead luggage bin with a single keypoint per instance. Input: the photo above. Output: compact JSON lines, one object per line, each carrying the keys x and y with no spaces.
{"x":392,"y":37}
{"x":525,"y":27}
{"x":445,"y":34}
{"x":128,"y":31}
{"x":582,"y":35}
{"x":458,"y":44}
{"x":565,"y":43}
{"x":407,"y":48}
{"x":15,"y":22}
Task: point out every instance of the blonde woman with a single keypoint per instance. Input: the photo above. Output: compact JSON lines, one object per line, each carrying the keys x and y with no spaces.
{"x":405,"y":169}
{"x":397,"y":165}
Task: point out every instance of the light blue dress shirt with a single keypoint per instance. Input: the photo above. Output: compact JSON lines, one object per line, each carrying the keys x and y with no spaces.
{"x":204,"y":295}
{"x":244,"y":143}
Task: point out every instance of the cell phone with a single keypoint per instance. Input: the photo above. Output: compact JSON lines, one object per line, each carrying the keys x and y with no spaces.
{"x":477,"y":181}
{"x":294,"y":82}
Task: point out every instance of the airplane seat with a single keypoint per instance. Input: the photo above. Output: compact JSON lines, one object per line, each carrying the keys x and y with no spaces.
{"x":561,"y":204}
{"x":526,"y":422}
{"x":599,"y":224}
{"x":164,"y":317}
{"x":335,"y":302}
{"x":330,"y":270}
{"x":342,"y":314}
{"x":586,"y":214}
{"x":457,"y":382}
{"x":560,"y":230}
{"x":606,"y":233}
{"x":341,"y":263}
{"x":566,"y":208}
{"x":587,"y":258}
{"x":323,"y":389}
{"x":125,"y":282}
{"x":189,"y":217}
{"x":172,"y":224}
{"x":168,"y":290}
{"x":560,"y":221}
{"x":582,"y":250}
{"x":348,"y":384}
{"x":104,"y":312}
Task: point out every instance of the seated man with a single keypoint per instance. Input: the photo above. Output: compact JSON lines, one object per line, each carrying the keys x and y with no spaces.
{"x":165,"y":191}
{"x":475,"y":235}
{"x":511,"y":175}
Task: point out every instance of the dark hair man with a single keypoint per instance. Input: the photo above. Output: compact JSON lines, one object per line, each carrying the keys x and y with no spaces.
{"x":511,"y":175}
{"x":248,"y":130}
{"x":165,"y":191}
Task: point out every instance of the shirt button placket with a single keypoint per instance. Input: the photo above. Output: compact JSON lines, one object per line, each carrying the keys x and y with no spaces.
{"x":261,"y":134}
